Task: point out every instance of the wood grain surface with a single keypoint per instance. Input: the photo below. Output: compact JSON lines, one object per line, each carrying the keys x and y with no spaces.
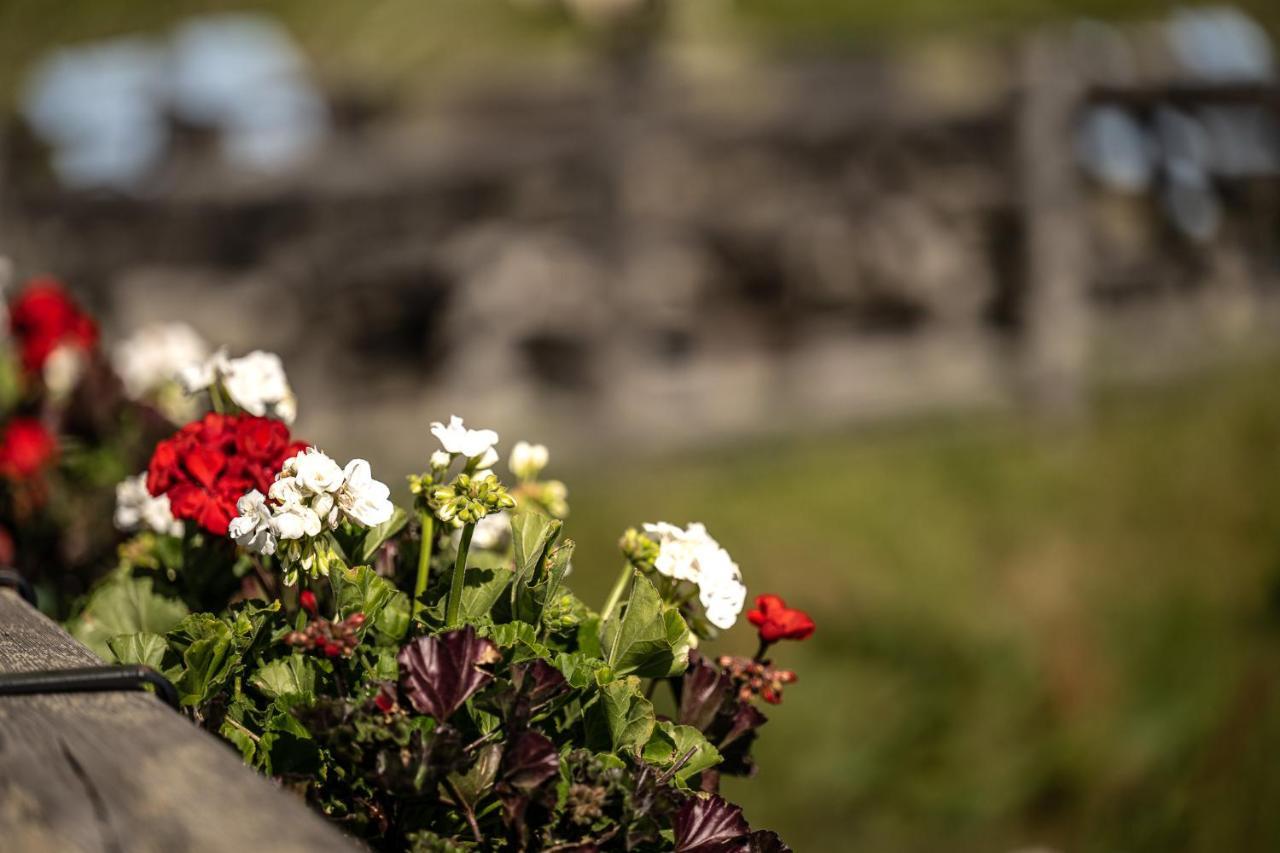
{"x":122,"y":772}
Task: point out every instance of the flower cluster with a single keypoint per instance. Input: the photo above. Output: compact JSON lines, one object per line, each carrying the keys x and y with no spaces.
{"x":470,"y":498}
{"x":310,"y":494}
{"x":138,"y":509}
{"x":757,"y":678}
{"x":44,"y":319}
{"x":209,"y":464}
{"x":776,"y":621}
{"x":329,"y":638}
{"x":690,"y":554}
{"x":150,"y":361}
{"x":26,"y":448}
{"x":255,"y":382}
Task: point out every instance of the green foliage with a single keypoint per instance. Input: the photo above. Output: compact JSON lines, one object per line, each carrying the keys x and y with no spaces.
{"x":123,"y":605}
{"x":649,"y":638}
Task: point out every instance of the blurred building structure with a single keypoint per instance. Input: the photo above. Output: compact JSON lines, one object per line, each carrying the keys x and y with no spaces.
{"x":646,"y":253}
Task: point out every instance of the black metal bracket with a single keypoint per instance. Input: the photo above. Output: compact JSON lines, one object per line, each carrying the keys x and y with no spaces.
{"x":90,"y":679}
{"x":11,"y":579}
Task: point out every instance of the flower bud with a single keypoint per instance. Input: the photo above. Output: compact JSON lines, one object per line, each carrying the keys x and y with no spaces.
{"x":307,"y":599}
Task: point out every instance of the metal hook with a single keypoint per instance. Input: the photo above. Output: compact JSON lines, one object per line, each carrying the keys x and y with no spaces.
{"x":90,"y":679}
{"x":11,"y":579}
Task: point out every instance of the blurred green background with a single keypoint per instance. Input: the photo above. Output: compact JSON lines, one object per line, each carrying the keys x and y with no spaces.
{"x":1027,"y":636}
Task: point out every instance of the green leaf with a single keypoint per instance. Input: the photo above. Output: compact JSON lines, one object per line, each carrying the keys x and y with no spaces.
{"x":476,"y":782}
{"x":241,"y":738}
{"x":621,"y":719}
{"x":520,"y":636}
{"x":207,"y":659}
{"x":124,"y":605}
{"x":531,"y":534}
{"x":291,"y":680}
{"x":377,"y":535}
{"x":648,"y":638}
{"x":482,"y":589}
{"x":142,"y":647}
{"x":362,"y":590}
{"x":671,"y":742}
{"x":580,"y":670}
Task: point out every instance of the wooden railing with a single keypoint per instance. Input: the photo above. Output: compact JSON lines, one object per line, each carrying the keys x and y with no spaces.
{"x":118,"y":772}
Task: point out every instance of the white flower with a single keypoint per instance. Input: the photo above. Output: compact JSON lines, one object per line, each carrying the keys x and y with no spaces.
{"x":62,"y":370}
{"x":200,"y":375}
{"x":155,"y":355}
{"x":285,"y":490}
{"x":492,"y":532}
{"x":294,"y":521}
{"x":314,"y":471}
{"x":252,"y":529}
{"x":720,"y":588}
{"x":136,"y":509}
{"x":362,"y":498}
{"x":527,"y":460}
{"x":693,"y":555}
{"x":440,"y":459}
{"x":257,"y":384}
{"x":679,"y":551}
{"x":456,"y":438}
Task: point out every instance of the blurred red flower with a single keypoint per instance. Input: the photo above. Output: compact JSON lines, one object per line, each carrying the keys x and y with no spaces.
{"x":209,"y":464}
{"x":43,"y":318}
{"x":25,"y":448}
{"x":776,"y":621}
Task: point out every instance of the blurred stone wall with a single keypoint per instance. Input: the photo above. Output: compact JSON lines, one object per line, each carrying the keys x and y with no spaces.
{"x":654,"y":256}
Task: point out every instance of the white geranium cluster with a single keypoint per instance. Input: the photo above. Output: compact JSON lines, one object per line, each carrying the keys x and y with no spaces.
{"x":690,"y":554}
{"x":153,"y":356}
{"x":477,"y":444}
{"x":137,"y":509}
{"x":527,"y":460}
{"x":311,"y":494}
{"x":255,"y":382}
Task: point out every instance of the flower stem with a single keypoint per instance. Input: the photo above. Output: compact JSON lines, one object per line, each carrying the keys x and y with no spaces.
{"x":424,"y":559}
{"x":215,"y":399}
{"x":760,"y":652}
{"x":459,"y":572}
{"x":615,"y":595}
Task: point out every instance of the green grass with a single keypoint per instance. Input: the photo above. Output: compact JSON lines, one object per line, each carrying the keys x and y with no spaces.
{"x":1025,"y":636}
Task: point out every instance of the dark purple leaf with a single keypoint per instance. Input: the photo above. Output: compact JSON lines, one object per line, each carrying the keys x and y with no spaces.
{"x":703,"y":693}
{"x":531,"y":760}
{"x":767,"y":841}
{"x":746,"y":719}
{"x":710,"y":825}
{"x":440,"y":673}
{"x":537,"y":681}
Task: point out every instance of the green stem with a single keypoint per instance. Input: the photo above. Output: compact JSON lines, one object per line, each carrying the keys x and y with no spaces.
{"x":615,"y":595}
{"x":215,"y":399}
{"x":424,"y":558}
{"x":459,"y":572}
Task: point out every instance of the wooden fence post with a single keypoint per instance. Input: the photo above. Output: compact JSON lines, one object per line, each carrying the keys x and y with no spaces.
{"x":1055,"y":308}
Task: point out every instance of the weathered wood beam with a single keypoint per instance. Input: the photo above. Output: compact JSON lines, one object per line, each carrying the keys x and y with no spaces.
{"x":115,"y":772}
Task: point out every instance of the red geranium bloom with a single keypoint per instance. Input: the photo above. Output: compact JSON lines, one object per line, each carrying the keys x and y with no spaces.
{"x":43,"y":318}
{"x":25,"y":448}
{"x":777,"y":622}
{"x":209,"y":464}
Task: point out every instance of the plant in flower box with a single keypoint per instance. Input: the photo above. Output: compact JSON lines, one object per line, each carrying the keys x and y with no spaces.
{"x":69,"y":430}
{"x":425,"y":676}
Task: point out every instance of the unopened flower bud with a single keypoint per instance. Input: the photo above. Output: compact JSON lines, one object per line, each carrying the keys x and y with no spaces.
{"x":307,"y":599}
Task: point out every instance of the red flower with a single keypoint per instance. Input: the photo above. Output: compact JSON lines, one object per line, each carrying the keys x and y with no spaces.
{"x":25,"y":448}
{"x":209,"y":464}
{"x":307,"y":599}
{"x":777,"y":622}
{"x":43,"y":318}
